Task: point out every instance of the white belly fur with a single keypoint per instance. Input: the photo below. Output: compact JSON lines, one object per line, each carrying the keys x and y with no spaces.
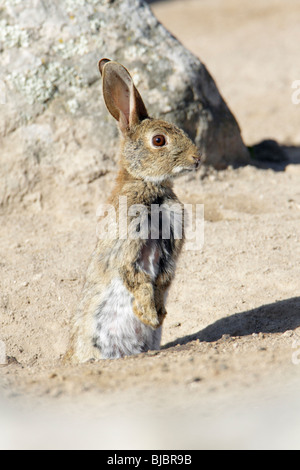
{"x":118,"y":332}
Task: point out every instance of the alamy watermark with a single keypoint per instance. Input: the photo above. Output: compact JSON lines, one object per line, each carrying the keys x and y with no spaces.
{"x":161,"y":221}
{"x":296,"y":93}
{"x":296,"y":353}
{"x":2,"y":92}
{"x":3,"y":358}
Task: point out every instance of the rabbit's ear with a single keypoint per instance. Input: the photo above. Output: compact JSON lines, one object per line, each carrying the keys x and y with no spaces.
{"x":122,"y":99}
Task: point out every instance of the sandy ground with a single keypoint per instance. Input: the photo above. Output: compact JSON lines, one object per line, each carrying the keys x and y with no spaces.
{"x":227,"y":375}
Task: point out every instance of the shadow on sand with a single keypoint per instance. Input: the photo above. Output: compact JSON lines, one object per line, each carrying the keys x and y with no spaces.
{"x":268,"y":154}
{"x":277,"y":317}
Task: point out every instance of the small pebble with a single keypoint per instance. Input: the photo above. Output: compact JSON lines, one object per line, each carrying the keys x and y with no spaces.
{"x":224,"y":338}
{"x":288,"y":334}
{"x":153,"y":353}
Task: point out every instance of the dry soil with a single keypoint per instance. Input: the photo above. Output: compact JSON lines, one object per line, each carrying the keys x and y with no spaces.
{"x":231,"y":341}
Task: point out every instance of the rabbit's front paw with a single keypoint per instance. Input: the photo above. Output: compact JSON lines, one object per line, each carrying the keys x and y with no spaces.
{"x":147,"y":315}
{"x":162,"y":313}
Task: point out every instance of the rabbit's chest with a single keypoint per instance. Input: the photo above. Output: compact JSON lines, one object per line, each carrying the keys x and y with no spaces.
{"x":165,"y":227}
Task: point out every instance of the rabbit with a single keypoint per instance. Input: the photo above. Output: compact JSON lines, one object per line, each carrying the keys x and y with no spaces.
{"x":123,"y":301}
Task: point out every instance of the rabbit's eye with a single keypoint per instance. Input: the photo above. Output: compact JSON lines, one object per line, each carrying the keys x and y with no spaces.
{"x":159,"y":141}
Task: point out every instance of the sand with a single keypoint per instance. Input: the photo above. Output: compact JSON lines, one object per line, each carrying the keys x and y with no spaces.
{"x":228,"y":372}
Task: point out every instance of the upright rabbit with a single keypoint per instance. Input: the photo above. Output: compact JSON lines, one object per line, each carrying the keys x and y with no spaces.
{"x":122,"y":308}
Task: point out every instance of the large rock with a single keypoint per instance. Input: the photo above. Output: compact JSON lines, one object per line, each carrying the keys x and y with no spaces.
{"x":53,"y":120}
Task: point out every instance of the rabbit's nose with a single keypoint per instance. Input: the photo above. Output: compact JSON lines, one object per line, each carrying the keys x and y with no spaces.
{"x":197,"y":159}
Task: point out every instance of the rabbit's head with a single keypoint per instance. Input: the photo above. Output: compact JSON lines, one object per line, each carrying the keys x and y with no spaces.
{"x":152,"y":149}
